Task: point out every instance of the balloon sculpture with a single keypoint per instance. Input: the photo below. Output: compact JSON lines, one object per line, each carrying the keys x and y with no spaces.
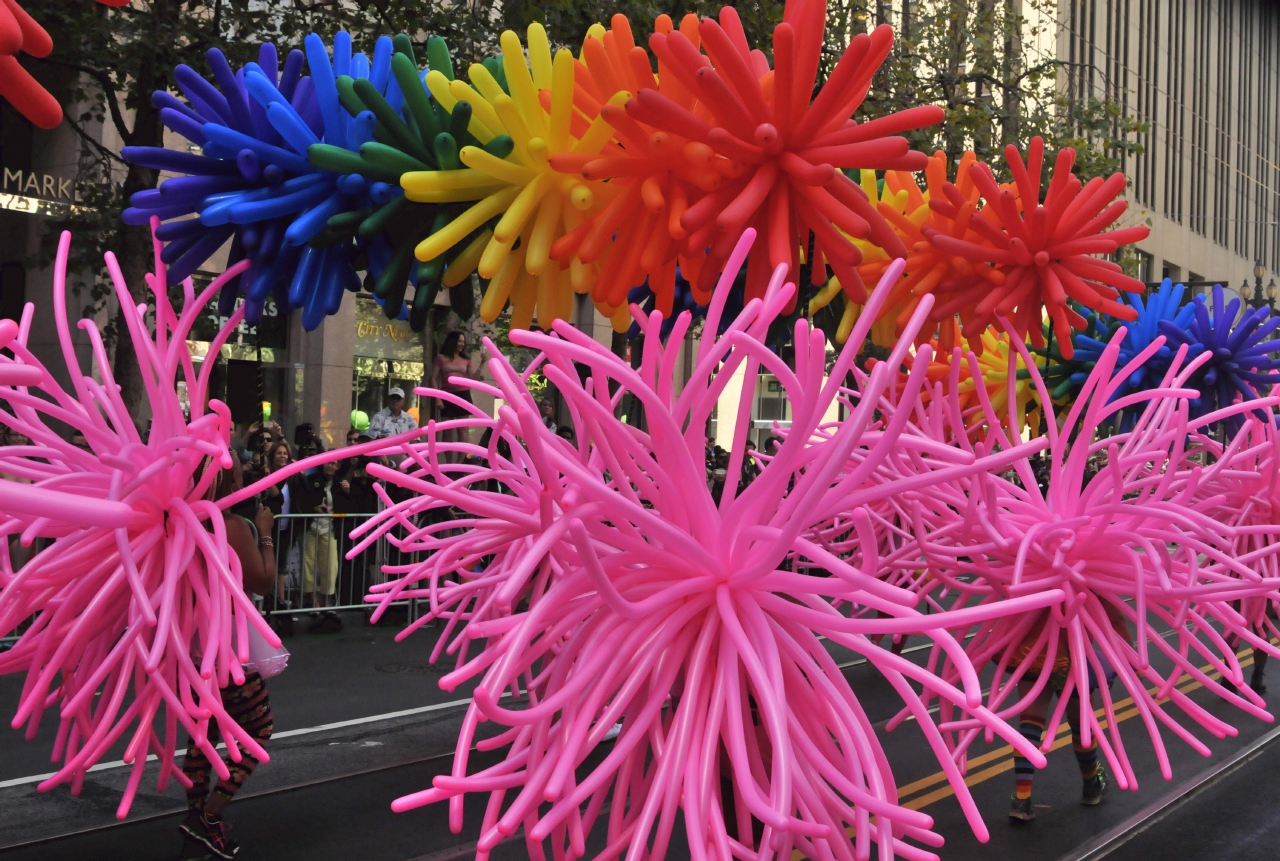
{"x":567,"y":167}
{"x":1132,"y":543}
{"x":138,"y":613}
{"x":601,"y":583}
{"x":618,"y":576}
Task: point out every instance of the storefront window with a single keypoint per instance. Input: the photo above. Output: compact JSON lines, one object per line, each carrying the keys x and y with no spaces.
{"x":388,"y":354}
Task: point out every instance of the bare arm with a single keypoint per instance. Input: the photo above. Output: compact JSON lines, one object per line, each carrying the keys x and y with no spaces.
{"x":257,"y":559}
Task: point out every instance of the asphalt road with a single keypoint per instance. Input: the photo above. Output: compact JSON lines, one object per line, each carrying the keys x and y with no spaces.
{"x":361,"y":721}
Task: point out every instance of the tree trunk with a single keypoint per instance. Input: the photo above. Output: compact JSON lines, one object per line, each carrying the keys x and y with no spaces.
{"x":953,"y":88}
{"x":136,"y":254}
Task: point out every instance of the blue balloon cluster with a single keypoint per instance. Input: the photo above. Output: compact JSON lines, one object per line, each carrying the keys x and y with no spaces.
{"x":252,"y":182}
{"x":682,"y":301}
{"x":1242,"y":359}
{"x":1162,"y":306}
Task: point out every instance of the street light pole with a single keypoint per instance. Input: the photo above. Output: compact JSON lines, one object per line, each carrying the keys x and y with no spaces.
{"x":1259,"y":299}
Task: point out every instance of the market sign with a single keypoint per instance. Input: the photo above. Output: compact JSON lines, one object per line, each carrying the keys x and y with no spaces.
{"x":36,"y":193}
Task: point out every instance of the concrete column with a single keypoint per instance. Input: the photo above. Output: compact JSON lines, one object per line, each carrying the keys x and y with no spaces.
{"x":323,"y":357}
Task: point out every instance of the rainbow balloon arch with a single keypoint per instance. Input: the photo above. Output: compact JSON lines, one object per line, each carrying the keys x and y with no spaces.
{"x":600,"y":584}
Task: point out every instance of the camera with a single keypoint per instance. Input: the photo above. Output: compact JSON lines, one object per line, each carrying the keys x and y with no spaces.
{"x":306,"y":441}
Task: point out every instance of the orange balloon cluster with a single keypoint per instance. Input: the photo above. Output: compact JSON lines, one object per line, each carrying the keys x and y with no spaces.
{"x":1044,"y":249}
{"x":972,"y":245}
{"x":718,"y":141}
{"x":945,"y":209}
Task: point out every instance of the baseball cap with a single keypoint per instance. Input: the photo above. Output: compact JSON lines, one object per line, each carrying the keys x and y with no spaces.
{"x":396,"y":392}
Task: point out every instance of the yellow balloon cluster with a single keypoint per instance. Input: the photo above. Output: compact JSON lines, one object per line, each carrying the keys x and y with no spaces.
{"x":991,"y":383}
{"x":534,"y":203}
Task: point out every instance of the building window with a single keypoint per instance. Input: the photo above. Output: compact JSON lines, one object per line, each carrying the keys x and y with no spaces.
{"x":1146,"y":266}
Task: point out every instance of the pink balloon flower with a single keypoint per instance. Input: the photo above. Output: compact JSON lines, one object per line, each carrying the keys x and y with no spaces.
{"x":137,"y":605}
{"x":1136,"y":546}
{"x":604,"y":588}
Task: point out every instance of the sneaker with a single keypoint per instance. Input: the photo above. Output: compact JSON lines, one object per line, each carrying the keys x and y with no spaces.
{"x":328,"y":623}
{"x":1259,"y":686}
{"x":211,"y":835}
{"x":1095,"y":789}
{"x":1022,"y":811}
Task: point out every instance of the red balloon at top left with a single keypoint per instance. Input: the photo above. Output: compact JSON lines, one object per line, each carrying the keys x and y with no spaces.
{"x":18,"y":32}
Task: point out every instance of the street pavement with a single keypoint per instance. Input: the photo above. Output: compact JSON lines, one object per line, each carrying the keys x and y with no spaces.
{"x":360,"y":720}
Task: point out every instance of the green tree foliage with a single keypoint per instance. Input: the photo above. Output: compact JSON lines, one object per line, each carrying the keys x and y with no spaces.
{"x":989,"y":64}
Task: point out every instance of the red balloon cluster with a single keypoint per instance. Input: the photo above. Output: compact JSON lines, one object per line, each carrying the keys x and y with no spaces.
{"x":20,"y":33}
{"x":1044,"y":249}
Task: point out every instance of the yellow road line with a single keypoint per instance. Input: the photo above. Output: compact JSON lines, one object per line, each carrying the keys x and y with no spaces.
{"x":1063,"y":738}
{"x":1123,"y":713}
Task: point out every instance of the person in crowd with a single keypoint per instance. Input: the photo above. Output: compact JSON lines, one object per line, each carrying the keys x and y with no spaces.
{"x":392,"y":419}
{"x":277,"y":457}
{"x":255,"y":454}
{"x":277,"y":498}
{"x":566,"y":432}
{"x":453,"y":361}
{"x":247,"y":703}
{"x":719,"y":473}
{"x":750,"y":467}
{"x":306,"y":441}
{"x":313,"y":494}
{"x":547,"y":407}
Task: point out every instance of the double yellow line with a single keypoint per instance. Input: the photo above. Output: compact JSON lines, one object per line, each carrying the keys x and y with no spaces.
{"x":1125,"y":709}
{"x":1003,"y":756}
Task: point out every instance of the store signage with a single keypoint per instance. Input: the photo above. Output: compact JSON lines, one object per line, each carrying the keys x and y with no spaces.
{"x":36,"y":193}
{"x":30,"y":183}
{"x":269,"y":333}
{"x":380,"y":338}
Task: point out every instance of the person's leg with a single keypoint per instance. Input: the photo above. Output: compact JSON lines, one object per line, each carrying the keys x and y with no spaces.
{"x":1257,"y":682}
{"x":1091,"y":772}
{"x":197,"y":768}
{"x":331,"y":556}
{"x":309,"y":567}
{"x":1031,"y":725}
{"x":250,"y":707}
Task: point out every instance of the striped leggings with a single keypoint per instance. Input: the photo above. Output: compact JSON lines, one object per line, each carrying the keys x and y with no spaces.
{"x":1032,"y":722}
{"x":249,"y":706}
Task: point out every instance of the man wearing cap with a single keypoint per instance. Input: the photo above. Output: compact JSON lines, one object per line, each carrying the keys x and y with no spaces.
{"x":392,"y":420}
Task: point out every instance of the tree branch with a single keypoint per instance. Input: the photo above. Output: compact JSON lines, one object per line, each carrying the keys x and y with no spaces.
{"x":102,"y":151}
{"x":108,"y":94}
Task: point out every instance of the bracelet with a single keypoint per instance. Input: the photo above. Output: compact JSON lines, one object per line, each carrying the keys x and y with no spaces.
{"x":266,"y":542}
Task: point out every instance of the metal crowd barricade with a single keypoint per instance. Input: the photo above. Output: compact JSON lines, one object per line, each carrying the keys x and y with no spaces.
{"x":297,"y":555}
{"x":312,"y":569}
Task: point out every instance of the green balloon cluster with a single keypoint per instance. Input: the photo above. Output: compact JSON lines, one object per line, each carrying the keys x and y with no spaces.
{"x":417,"y":136}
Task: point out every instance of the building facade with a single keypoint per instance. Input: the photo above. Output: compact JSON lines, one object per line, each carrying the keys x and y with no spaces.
{"x":1204,"y":75}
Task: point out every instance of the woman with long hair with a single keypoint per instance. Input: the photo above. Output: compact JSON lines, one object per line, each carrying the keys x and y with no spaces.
{"x":453,"y":361}
{"x":247,"y":704}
